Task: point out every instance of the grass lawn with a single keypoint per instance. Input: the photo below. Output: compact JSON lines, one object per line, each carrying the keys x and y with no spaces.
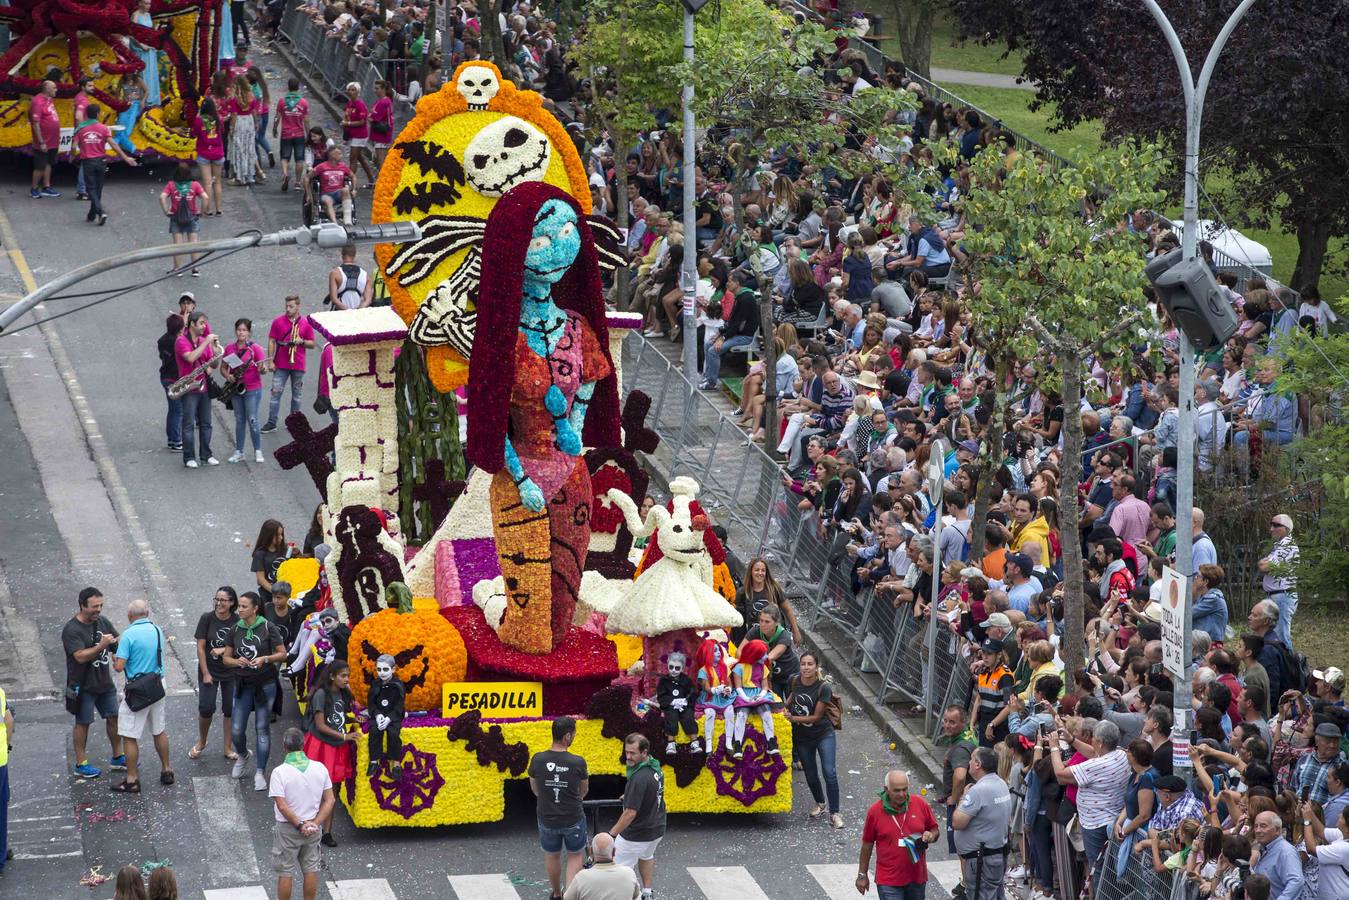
{"x":946,"y":53}
{"x":1012,"y":108}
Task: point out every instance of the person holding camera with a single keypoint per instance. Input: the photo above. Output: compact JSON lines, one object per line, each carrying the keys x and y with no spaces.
{"x":899,"y":828}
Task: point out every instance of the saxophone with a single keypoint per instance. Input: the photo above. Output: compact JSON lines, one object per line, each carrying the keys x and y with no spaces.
{"x":192,"y":380}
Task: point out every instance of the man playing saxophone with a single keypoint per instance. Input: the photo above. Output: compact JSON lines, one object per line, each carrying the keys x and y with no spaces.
{"x":290,"y":337}
{"x":197,"y":352}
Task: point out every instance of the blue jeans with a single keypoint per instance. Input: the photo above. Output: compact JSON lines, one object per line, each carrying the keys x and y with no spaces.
{"x":1287,"y":603}
{"x":93,"y":172}
{"x":173,"y":421}
{"x":79,"y":179}
{"x":196,"y":423}
{"x":279,"y":379}
{"x":260,"y":140}
{"x":712,"y":365}
{"x":254,"y":701}
{"x":1094,"y":841}
{"x":4,"y":815}
{"x":914,"y":891}
{"x":824,"y":749}
{"x":246,"y":416}
{"x":1042,"y":851}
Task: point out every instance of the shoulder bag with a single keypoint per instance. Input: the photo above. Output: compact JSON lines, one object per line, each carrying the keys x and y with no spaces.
{"x":147,"y":688}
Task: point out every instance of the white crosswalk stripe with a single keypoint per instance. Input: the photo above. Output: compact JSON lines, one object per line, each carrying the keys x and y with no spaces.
{"x":483,"y":887}
{"x":242,"y":893}
{"x":361,"y":889}
{"x":229,"y":853}
{"x":839,"y":881}
{"x":946,"y":872}
{"x":726,"y":883}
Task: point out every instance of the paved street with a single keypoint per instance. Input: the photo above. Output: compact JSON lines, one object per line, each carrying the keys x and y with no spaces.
{"x":89,"y":495}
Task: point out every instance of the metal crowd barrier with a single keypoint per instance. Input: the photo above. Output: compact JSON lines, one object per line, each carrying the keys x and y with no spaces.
{"x":1138,"y":881}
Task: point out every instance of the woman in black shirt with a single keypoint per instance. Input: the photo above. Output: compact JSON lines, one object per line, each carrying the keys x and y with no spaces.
{"x":813,"y":735}
{"x":269,"y":551}
{"x":168,"y":374}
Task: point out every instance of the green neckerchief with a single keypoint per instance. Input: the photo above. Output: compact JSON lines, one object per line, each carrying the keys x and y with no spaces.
{"x":776,"y":632}
{"x":648,"y":763}
{"x":258,"y":622}
{"x":292,"y":100}
{"x":892,"y":810}
{"x":297,"y":759}
{"x":86,"y":122}
{"x":966,"y":736}
{"x":184,"y":189}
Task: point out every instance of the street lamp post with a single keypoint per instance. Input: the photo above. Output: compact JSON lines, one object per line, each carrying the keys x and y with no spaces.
{"x":690,"y":276}
{"x":936,"y":485}
{"x":1194,"y":112}
{"x":325,"y":236}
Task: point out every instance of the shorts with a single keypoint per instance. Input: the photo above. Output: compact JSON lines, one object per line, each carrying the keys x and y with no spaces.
{"x":105,"y":704}
{"x":627,"y":853}
{"x":573,"y":837}
{"x":335,"y":196}
{"x":359,"y":142}
{"x":203,"y":162}
{"x":382,"y":145}
{"x":293,"y":853}
{"x":190,"y":228}
{"x":206,"y":696}
{"x":43,"y":159}
{"x":292,"y":148}
{"x":131,"y":723}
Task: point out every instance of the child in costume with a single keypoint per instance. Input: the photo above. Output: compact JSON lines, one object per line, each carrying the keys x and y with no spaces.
{"x":751,"y":677}
{"x":386,"y":717}
{"x":675,"y":696}
{"x":717,"y":695}
{"x":330,"y":737}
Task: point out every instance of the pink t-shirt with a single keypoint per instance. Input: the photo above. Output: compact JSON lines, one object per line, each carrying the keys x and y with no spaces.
{"x":209,"y":145}
{"x":42,"y":113}
{"x":325,"y":369}
{"x":359,"y":117}
{"x":193,"y":192}
{"x":383,"y":114}
{"x":181,"y":348}
{"x":332,"y":177}
{"x":234,"y":108}
{"x":292,"y":119}
{"x":281,"y":330}
{"x":251,"y":357}
{"x":91,"y":140}
{"x":79,"y":104}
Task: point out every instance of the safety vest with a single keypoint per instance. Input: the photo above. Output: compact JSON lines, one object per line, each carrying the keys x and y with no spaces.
{"x":990,"y":696}
{"x":4,"y":730}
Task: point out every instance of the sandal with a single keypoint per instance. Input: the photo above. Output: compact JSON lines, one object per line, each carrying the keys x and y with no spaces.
{"x":166,"y":778}
{"x":817,"y":810}
{"x":231,"y":756}
{"x":126,"y":787}
{"x":195,"y":752}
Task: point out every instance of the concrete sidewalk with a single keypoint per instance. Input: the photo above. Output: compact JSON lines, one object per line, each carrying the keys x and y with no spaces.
{"x":980,"y":79}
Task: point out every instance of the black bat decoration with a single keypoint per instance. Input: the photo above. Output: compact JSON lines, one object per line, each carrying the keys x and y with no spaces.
{"x":433,"y":159}
{"x":424,"y":196}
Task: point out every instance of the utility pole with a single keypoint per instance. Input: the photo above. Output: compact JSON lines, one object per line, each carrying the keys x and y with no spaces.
{"x":1194,"y":113}
{"x":690,"y":276}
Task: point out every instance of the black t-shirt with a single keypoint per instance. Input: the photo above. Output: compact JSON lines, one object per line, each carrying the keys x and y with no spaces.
{"x":94,"y":676}
{"x":286,"y":626}
{"x":802,"y":703}
{"x":333,"y":708}
{"x":262,"y":640}
{"x":1161,"y":758}
{"x":708,"y":206}
{"x":559,"y":775}
{"x":168,"y":359}
{"x":786,"y":665}
{"x":750,"y":603}
{"x":216,"y":633}
{"x":645,"y":794}
{"x":267,"y":562}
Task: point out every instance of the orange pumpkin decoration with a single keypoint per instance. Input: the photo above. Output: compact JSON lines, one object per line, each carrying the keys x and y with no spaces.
{"x":427,"y":651}
{"x":723,"y":583}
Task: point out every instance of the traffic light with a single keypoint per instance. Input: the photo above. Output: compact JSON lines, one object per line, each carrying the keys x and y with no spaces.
{"x":1191,"y":297}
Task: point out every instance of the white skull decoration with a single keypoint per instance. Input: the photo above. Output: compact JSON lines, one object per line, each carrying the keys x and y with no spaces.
{"x":507,"y":152}
{"x":477,"y":85}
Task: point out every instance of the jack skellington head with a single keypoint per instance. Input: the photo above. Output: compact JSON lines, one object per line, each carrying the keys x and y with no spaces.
{"x":477,"y":85}
{"x":508,"y":152}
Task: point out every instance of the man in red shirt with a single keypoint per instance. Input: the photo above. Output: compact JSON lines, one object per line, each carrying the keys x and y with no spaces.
{"x":900,"y":827}
{"x":46,"y":125}
{"x":93,"y":139}
{"x":335,"y":182}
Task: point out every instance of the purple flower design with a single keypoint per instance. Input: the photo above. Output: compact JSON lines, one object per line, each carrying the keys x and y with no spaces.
{"x":414,"y":790}
{"x":750,"y":778}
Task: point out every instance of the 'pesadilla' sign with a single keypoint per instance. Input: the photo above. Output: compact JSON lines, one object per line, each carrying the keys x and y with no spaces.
{"x":495,"y":699}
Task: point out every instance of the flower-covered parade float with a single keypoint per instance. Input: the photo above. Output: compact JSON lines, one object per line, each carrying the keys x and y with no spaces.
{"x":148,"y":68}
{"x":479,"y":593}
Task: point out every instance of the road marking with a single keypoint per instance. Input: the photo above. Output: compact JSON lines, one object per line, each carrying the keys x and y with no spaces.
{"x":496,"y":886}
{"x":946,"y":871}
{"x":726,"y":883}
{"x":19,"y":854}
{"x":839,"y":881}
{"x":229,"y":854}
{"x":361,"y":889}
{"x":239,"y":893}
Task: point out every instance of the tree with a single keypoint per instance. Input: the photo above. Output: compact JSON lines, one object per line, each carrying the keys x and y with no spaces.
{"x":1276,"y":121}
{"x":489,"y":23}
{"x":1059,"y":288}
{"x":913,"y":25}
{"x":756,"y":81}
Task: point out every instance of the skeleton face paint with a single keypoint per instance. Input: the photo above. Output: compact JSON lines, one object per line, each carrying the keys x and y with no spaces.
{"x":675,"y":668}
{"x":384,"y":667}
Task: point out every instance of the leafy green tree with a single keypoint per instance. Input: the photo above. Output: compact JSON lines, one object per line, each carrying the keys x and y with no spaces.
{"x":1058,"y":286}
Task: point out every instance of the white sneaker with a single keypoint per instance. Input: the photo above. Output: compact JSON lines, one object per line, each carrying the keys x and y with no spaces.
{"x":236,"y":456}
{"x":669,"y":747}
{"x":239,"y":764}
{"x":212,"y":461}
{"x":257,"y":457}
{"x":191,"y":463}
{"x":1016,"y":873}
{"x":259,"y":781}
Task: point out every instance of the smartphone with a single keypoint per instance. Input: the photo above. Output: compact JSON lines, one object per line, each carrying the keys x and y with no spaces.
{"x":1046,"y":729}
{"x":1306,"y":794}
{"x":1194,"y":737}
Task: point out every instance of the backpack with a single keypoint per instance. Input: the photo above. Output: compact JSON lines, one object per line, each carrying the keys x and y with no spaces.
{"x":182,"y":211}
{"x":1297,"y":671}
{"x":352,"y":288}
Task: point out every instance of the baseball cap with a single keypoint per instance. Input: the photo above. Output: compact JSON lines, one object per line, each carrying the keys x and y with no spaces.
{"x":188,"y":295}
{"x":997,"y":620}
{"x":1021,"y":560}
{"x":968,"y":446}
{"x":1173,"y":783}
{"x":1330,"y":730}
{"x":1282,"y":519}
{"x":991,"y":646}
{"x":1331,"y":676}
